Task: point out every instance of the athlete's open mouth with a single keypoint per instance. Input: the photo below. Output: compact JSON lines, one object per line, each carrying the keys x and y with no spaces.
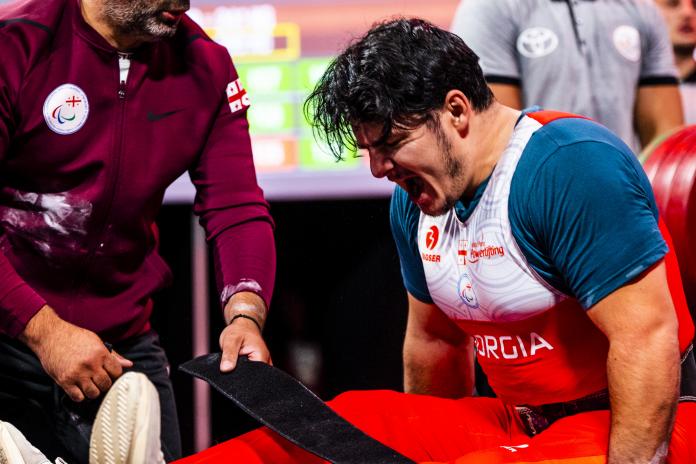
{"x":414,"y":187}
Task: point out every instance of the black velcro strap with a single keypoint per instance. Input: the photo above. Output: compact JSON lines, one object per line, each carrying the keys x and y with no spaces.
{"x":290,"y":409}
{"x":687,"y":391}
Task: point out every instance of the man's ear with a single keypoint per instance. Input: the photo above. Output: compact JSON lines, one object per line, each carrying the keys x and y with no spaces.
{"x":457,"y":109}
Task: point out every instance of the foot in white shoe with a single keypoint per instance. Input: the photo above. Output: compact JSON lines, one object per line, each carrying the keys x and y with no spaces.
{"x":16,"y":449}
{"x":127,"y":427}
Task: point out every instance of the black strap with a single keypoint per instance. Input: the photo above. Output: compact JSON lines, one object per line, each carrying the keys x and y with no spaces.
{"x":290,"y":409}
{"x":687,"y":390}
{"x":536,"y":419}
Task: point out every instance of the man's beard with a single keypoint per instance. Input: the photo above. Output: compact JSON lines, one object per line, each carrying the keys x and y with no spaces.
{"x":142,"y":18}
{"x":453,"y":169}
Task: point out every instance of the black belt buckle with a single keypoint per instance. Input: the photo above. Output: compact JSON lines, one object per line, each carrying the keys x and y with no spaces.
{"x":536,"y":419}
{"x":532,"y":420}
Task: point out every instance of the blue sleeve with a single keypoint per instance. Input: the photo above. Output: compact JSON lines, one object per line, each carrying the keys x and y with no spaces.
{"x":404,"y":216}
{"x":587,"y":221}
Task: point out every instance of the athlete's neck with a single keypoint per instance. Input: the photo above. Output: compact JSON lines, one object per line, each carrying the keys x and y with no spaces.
{"x":493,"y":127}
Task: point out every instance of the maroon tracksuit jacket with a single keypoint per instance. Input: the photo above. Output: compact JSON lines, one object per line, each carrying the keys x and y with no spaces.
{"x":85,"y":160}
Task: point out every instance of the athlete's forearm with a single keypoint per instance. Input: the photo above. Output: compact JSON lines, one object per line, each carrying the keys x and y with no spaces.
{"x":643,"y":377}
{"x":435,"y":367}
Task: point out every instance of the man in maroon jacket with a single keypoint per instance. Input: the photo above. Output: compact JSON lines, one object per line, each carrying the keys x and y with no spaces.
{"x":104,"y":103}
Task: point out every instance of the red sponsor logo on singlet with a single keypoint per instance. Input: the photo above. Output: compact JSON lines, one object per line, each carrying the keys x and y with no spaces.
{"x":431,"y":258}
{"x":431,"y":237}
{"x":478,"y":250}
{"x":510,"y":346}
{"x":481,"y":250}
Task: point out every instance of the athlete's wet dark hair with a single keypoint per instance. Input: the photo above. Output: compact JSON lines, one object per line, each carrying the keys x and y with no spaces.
{"x":397,"y":75}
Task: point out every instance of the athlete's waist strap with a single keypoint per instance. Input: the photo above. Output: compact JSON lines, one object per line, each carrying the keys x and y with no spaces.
{"x":687,"y":391}
{"x":536,"y":419}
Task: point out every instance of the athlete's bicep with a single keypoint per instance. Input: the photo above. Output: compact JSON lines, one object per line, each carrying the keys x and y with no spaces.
{"x":638,"y":308}
{"x":438,"y":356}
{"x":426,"y":321}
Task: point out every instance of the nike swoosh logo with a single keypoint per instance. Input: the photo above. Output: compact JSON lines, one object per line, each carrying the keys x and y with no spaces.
{"x":156,"y":117}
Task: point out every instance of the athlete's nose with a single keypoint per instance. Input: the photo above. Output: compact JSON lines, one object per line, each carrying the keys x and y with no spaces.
{"x":380,"y":165}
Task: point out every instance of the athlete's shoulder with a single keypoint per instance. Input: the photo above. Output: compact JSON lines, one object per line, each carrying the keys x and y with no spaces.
{"x":558,"y":200}
{"x":559,"y":129}
{"x":566,"y":145}
{"x":402,"y":208}
{"x":404,"y":215}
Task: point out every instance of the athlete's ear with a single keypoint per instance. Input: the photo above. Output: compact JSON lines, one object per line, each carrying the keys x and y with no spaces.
{"x":457,"y":109}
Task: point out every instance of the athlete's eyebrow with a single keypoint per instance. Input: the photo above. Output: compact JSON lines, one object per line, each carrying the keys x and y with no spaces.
{"x":394,"y":138}
{"x":388,"y":140}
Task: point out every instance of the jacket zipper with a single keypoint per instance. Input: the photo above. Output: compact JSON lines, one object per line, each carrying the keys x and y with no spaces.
{"x":98,"y":241}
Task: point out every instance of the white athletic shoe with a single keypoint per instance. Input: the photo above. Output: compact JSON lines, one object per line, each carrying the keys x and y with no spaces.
{"x":127,"y":427}
{"x":16,"y":449}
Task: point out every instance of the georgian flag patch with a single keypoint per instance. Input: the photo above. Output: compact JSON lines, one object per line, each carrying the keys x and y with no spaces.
{"x":237,"y":96}
{"x":66,"y":108}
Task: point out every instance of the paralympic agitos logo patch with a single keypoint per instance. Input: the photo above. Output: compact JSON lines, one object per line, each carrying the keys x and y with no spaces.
{"x":66,"y":108}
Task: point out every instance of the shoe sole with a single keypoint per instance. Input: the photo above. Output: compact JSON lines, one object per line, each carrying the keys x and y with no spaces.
{"x":9,"y":453}
{"x":126,"y":429}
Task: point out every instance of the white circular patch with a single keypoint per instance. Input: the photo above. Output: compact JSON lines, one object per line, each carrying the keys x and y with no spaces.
{"x":466,"y":291}
{"x":627,"y":42}
{"x":536,"y":42}
{"x":66,"y":109}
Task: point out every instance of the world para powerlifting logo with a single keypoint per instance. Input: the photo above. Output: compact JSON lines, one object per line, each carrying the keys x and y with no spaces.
{"x":472,"y":253}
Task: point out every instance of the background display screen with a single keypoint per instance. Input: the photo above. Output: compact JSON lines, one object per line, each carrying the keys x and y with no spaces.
{"x":280,"y":50}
